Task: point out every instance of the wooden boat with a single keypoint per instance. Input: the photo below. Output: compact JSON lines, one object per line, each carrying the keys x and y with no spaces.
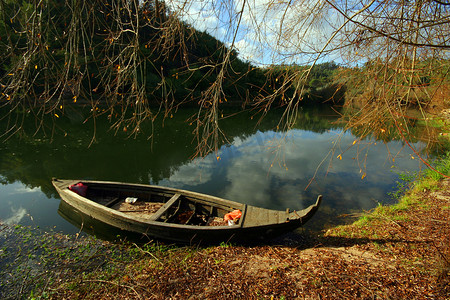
{"x":177,"y":215}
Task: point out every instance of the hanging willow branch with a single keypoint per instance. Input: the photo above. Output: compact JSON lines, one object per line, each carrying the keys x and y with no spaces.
{"x":121,"y":58}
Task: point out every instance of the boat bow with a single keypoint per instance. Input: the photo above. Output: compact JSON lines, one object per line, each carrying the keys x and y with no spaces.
{"x":306,"y":214}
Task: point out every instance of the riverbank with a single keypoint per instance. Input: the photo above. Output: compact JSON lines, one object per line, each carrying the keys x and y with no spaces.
{"x":393,"y":252}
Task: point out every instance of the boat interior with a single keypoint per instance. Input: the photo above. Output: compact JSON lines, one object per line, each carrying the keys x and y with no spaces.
{"x":159,"y":205}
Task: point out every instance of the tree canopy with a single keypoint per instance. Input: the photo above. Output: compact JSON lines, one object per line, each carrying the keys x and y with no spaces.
{"x":134,"y":59}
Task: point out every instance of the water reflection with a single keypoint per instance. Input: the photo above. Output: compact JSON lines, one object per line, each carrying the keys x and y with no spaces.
{"x":89,"y":225}
{"x":259,"y":166}
{"x":278,"y":171}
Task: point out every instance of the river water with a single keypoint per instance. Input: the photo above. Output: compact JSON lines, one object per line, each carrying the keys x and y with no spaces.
{"x":257,"y":165}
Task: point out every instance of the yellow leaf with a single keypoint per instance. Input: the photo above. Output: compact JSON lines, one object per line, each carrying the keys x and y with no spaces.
{"x":340,"y":157}
{"x":56,"y":115}
{"x":35,"y":67}
{"x":217,"y":157}
{"x":363,"y":176}
{"x":60,"y":107}
{"x":354,"y":142}
{"x":74,"y":99}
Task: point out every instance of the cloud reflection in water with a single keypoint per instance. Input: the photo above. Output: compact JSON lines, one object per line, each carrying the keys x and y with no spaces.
{"x":17,"y":216}
{"x":271,"y":170}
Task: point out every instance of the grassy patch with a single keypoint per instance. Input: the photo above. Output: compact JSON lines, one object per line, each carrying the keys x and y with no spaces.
{"x":412,"y":195}
{"x":410,"y":187}
{"x":33,"y":260}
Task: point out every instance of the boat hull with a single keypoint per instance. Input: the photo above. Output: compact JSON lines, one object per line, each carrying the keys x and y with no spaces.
{"x":182,"y":233}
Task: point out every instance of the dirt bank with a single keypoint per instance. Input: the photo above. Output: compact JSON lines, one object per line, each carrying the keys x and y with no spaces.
{"x":398,"y":252}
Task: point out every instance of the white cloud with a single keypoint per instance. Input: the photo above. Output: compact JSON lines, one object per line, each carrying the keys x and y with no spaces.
{"x":17,"y":216}
{"x":23,"y":189}
{"x":271,"y":170}
{"x":269,"y":31}
{"x":18,"y":188}
{"x":193,"y":173}
{"x":249,"y":182}
{"x":203,"y":15}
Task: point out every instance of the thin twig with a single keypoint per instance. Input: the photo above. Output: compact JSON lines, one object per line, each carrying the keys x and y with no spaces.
{"x":147,"y":252}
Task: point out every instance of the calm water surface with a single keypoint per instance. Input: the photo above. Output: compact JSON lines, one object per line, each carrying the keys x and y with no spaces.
{"x":258,"y":166}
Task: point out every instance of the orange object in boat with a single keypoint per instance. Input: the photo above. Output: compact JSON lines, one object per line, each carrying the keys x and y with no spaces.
{"x":234,"y":215}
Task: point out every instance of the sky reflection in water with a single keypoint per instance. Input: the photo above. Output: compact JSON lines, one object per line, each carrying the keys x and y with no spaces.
{"x":27,"y":206}
{"x":275,"y":171}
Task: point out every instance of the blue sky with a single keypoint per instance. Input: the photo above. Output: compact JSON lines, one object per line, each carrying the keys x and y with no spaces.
{"x":269,"y":32}
{"x":295,"y":31}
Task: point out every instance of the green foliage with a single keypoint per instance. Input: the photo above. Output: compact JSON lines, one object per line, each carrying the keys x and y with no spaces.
{"x":408,"y":185}
{"x":420,"y":181}
{"x":319,"y":86}
{"x":442,"y":167}
{"x":403,"y":184}
{"x":400,"y":82}
{"x":90,"y":51}
{"x":225,"y":245}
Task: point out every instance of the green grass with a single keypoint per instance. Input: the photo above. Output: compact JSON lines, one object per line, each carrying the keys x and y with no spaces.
{"x":442,"y":166}
{"x":23,"y":275}
{"x":407,"y":195}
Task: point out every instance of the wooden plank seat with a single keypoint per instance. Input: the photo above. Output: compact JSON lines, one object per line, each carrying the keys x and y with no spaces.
{"x":165,"y":207}
{"x":111,"y":202}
